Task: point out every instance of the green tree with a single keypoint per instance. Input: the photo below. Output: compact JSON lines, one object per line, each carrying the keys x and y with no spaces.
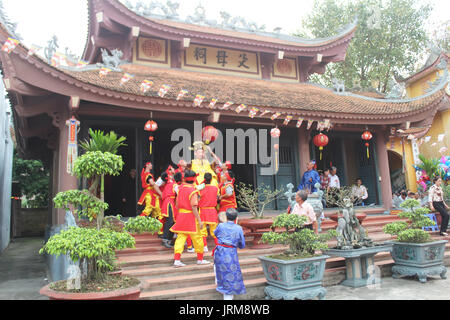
{"x":33,"y":179}
{"x":441,"y":36}
{"x":389,"y":39}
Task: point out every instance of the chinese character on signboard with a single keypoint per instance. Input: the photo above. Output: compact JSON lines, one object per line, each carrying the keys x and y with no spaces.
{"x":222,"y":57}
{"x":200,"y":54}
{"x":243,"y":60}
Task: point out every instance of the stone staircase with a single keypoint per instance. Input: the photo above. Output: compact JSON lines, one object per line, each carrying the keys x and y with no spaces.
{"x":152,"y":264}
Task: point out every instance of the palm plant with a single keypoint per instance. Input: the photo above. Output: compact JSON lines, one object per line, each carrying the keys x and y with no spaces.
{"x":101,"y":142}
{"x":430,"y":166}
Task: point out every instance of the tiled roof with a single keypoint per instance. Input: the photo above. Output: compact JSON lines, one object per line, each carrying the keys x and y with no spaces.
{"x":263,"y":37}
{"x":299,"y":97}
{"x":258,"y":37}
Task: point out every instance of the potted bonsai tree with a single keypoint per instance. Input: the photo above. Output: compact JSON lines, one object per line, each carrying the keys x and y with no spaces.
{"x":255,"y":200}
{"x":93,"y":247}
{"x":414,"y":252}
{"x":339,"y":198}
{"x":297,"y":273}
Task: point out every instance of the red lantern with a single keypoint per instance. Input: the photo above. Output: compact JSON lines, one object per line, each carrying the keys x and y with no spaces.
{"x":275,"y":133}
{"x":151,"y":126}
{"x":321,"y":140}
{"x":209,"y":134}
{"x":367,"y":136}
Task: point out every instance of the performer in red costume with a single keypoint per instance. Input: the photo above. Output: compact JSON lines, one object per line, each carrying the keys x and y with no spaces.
{"x":208,"y":210}
{"x":188,"y":220}
{"x":151,"y":194}
{"x":227,"y":193}
{"x":168,"y":205}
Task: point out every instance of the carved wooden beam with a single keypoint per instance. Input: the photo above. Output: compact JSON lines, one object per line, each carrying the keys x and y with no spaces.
{"x":133,"y":34}
{"x":177,"y":50}
{"x":112,"y":42}
{"x":38,"y":106}
{"x":23,"y":88}
{"x":267,"y":62}
{"x":106,"y":23}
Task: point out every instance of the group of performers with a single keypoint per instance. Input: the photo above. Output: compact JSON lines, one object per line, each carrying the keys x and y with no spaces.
{"x":187,"y":201}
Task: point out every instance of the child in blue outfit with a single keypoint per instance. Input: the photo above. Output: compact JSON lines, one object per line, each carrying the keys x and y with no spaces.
{"x":226,"y":261}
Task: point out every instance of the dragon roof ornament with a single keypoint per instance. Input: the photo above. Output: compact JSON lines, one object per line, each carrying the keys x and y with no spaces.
{"x":157,"y":10}
{"x":10,"y":26}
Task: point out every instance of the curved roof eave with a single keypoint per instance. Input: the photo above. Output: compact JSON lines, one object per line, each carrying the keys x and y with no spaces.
{"x":183,"y":29}
{"x":96,"y":93}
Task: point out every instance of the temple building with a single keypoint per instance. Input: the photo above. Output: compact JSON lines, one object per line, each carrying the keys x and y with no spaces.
{"x":235,"y":75}
{"x":434,"y":133}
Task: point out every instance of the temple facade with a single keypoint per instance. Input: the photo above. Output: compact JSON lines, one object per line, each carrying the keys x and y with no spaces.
{"x":144,"y":62}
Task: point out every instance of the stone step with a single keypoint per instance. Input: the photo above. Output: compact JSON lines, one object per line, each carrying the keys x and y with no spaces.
{"x":198,"y":279}
{"x":254,"y":287}
{"x":200,"y":288}
{"x":205,"y":292}
{"x":166,"y":258}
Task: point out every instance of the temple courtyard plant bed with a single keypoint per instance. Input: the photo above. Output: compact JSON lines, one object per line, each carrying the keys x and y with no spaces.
{"x":414,"y":252}
{"x":298,"y":272}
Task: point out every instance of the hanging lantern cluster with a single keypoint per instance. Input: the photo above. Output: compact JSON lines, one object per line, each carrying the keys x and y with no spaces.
{"x":151,"y":126}
{"x":209,"y":134}
{"x":321,"y":141}
{"x":367,"y":136}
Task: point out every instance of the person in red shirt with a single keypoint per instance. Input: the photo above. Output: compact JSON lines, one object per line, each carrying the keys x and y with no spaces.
{"x":208,"y":209}
{"x":188,"y":221}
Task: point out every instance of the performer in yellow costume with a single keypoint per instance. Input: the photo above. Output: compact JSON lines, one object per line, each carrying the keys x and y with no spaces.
{"x":201,"y":165}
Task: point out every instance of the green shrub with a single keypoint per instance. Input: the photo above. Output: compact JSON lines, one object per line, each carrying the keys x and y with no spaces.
{"x":80,"y":202}
{"x":95,"y":247}
{"x":414,"y":236}
{"x":142,"y":224}
{"x":301,"y":244}
{"x":97,"y":163}
{"x":411,"y":230}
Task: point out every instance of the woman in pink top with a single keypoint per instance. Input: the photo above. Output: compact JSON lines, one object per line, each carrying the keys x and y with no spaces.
{"x":303,"y":208}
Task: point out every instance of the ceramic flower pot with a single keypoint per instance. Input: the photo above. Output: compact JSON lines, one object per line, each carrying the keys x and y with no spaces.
{"x":132,"y":293}
{"x":419,"y":259}
{"x":257,"y":228}
{"x":294,"y":279}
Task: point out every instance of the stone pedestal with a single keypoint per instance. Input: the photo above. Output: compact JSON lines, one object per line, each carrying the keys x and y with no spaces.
{"x":360,"y":265}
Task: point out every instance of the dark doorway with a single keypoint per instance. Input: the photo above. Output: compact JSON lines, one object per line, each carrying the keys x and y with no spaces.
{"x":347,"y":152}
{"x":120,"y":191}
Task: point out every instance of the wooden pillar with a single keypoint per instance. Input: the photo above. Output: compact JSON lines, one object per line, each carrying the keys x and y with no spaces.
{"x":63,"y":180}
{"x":383,"y":169}
{"x":303,"y":149}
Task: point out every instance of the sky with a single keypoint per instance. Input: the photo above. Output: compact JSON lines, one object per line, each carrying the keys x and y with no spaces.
{"x":39,"y":20}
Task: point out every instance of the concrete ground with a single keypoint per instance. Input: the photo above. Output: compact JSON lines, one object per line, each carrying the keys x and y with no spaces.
{"x":407,"y":288}
{"x":22,"y":270}
{"x":23,"y":274}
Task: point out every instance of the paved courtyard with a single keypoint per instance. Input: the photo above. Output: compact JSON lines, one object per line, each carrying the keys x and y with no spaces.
{"x":406,"y":288}
{"x":23,"y":273}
